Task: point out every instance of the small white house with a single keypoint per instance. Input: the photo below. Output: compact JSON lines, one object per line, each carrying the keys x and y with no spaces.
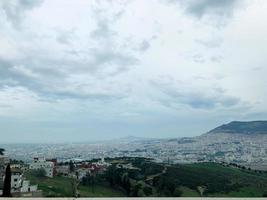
{"x":26,"y":187}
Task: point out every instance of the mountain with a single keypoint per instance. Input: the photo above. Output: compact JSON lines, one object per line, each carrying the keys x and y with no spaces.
{"x":238,"y":127}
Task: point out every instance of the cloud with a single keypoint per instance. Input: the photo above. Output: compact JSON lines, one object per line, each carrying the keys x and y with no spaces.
{"x":197,"y":97}
{"x":144,"y":45}
{"x":202,"y":7}
{"x":104,"y":62}
{"x":218,"y":11}
{"x":54,"y":63}
{"x":53,"y":83}
{"x":15,"y":10}
{"x":214,"y":43}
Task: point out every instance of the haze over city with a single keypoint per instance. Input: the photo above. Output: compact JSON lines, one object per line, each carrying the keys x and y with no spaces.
{"x":93,"y":70}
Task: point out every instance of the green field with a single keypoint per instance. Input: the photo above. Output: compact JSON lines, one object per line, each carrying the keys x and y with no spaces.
{"x":187,"y":192}
{"x":99,"y":191}
{"x":62,"y":187}
{"x":193,"y":180}
{"x":218,"y":180}
{"x":52,"y":187}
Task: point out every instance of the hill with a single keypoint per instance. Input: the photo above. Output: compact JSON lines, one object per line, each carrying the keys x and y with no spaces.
{"x":218,"y":180}
{"x":140,"y":177}
{"x":190,"y":180}
{"x":238,"y":127}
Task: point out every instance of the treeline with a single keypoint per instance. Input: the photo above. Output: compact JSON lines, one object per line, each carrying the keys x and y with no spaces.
{"x":131,"y":180}
{"x":242,"y":167}
{"x":196,"y":178}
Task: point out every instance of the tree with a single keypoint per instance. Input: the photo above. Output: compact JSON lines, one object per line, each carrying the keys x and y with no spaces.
{"x":126,"y":184}
{"x":147,"y":190}
{"x":177,"y":192}
{"x":7,"y":182}
{"x":40,"y":173}
{"x":71,"y":166}
{"x":135,"y":190}
{"x":2,"y":151}
{"x":110,"y":175}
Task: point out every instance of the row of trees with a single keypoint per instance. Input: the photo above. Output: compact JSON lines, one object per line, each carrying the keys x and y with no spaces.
{"x":134,"y":188}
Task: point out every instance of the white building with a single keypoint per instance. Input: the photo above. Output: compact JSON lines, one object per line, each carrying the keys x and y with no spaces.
{"x":63,"y":170}
{"x":16,"y":180}
{"x":26,"y":187}
{"x":48,"y":166}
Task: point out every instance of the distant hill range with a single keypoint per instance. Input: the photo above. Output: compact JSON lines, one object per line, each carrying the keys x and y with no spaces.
{"x":238,"y":127}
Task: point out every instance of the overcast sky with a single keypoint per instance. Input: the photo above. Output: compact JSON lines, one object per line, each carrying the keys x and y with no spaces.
{"x":83,"y":70}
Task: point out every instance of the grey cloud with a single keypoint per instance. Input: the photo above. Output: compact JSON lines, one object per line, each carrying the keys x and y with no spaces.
{"x":48,"y":78}
{"x":220,"y":10}
{"x":211,"y":43}
{"x":14,"y":10}
{"x":216,"y":59}
{"x":194,"y":97}
{"x":5,"y":106}
{"x":103,"y":30}
{"x":65,"y":37}
{"x":104,"y":20}
{"x":198,"y":58}
{"x":50,"y":75}
{"x":144,"y":45}
{"x":109,"y":56}
{"x":217,"y":7}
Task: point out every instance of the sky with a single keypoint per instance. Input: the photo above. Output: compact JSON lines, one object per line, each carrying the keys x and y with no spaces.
{"x":84,"y":70}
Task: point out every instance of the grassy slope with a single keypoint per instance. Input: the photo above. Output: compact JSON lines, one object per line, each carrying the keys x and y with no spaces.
{"x":99,"y":191}
{"x":61,"y":187}
{"x":56,"y":187}
{"x":250,"y":184}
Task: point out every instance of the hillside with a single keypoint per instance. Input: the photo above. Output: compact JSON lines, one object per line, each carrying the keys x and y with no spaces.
{"x":199,"y":179}
{"x":218,"y":180}
{"x":140,"y":177}
{"x":238,"y":127}
{"x":210,"y":179}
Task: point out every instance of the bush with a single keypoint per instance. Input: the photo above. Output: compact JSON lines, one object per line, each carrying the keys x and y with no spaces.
{"x":177,"y":192}
{"x":40,"y":173}
{"x":147,"y":190}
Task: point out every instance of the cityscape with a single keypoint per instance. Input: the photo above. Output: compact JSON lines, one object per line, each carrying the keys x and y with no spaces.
{"x":248,"y":150}
{"x":238,"y":145}
{"x":133,"y":98}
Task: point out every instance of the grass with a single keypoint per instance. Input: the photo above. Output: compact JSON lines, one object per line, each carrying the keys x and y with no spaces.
{"x":219,"y":180}
{"x":187,"y":192}
{"x":52,"y":187}
{"x":62,"y":187}
{"x":99,"y":191}
{"x":243,"y":192}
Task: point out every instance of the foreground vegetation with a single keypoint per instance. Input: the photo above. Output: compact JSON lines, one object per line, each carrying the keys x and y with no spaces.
{"x":148,"y":179}
{"x":190,"y":180}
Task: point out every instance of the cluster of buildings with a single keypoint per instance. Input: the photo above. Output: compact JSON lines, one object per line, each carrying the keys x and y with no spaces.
{"x":48,"y":165}
{"x":20,"y":187}
{"x":72,"y":168}
{"x":82,"y":169}
{"x":248,"y":150}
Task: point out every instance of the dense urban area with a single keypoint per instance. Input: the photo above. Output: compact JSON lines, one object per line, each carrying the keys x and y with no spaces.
{"x":227,"y":161}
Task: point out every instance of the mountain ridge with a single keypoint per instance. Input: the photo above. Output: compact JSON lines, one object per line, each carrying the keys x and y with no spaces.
{"x":242,"y":127}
